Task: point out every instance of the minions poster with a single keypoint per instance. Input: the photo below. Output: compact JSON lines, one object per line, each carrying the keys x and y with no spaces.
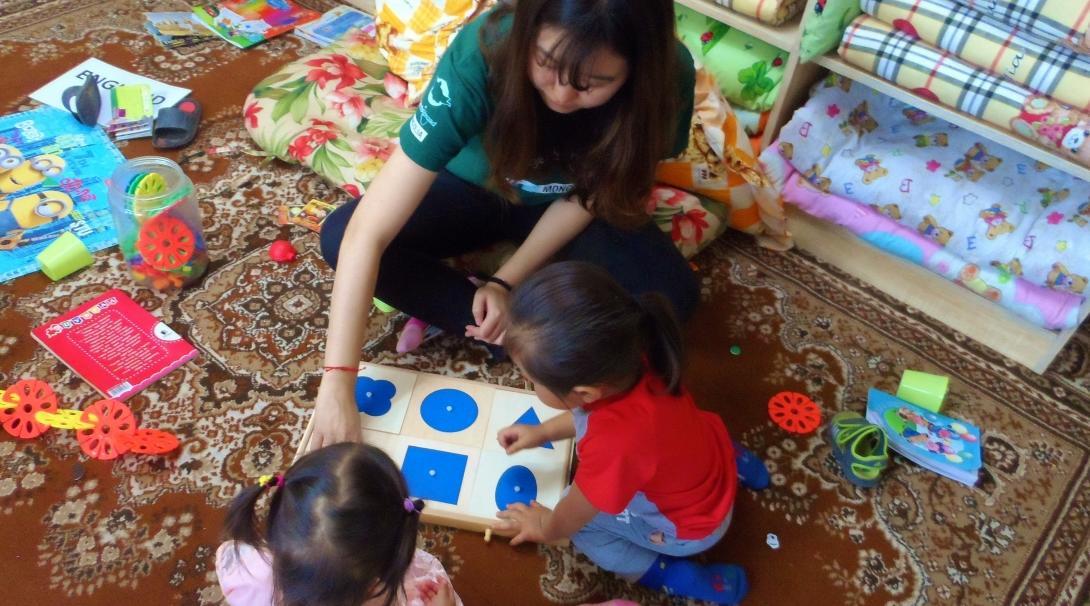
{"x":53,"y":174}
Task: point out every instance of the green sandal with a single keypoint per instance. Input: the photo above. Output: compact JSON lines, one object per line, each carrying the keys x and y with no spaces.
{"x":860,"y":448}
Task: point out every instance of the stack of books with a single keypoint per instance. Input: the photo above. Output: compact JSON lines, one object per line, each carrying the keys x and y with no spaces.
{"x":334,"y":24}
{"x":245,"y":23}
{"x":132,"y":113}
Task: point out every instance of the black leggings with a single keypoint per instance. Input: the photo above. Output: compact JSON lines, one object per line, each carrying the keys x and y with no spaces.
{"x":456,"y":217}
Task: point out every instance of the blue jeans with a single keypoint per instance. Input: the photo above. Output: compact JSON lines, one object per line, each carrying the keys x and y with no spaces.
{"x":456,"y":217}
{"x":628,"y":544}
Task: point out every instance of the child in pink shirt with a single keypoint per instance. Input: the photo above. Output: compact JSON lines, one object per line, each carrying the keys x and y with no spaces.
{"x":340,"y":531}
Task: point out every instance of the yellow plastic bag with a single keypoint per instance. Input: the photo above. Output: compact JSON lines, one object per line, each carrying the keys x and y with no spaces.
{"x":720,"y":164}
{"x":413,"y":34}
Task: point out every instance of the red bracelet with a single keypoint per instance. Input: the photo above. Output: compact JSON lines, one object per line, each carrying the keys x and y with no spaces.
{"x":344,"y":368}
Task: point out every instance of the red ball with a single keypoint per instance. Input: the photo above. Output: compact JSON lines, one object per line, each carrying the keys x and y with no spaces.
{"x":282,"y":251}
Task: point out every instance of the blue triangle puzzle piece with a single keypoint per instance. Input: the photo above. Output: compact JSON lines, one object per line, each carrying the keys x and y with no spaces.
{"x":530,"y":418}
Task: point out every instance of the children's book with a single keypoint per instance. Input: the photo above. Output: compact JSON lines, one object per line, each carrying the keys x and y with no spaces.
{"x":53,"y":173}
{"x":310,"y":215}
{"x":132,"y":111}
{"x":177,"y":29}
{"x":940,"y":443}
{"x":114,"y":344}
{"x":245,"y":23}
{"x":334,"y":24}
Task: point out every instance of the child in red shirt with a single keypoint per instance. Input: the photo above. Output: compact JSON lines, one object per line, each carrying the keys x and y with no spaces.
{"x":657,"y":476}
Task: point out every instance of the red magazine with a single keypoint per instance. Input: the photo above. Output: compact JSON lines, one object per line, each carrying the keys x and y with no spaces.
{"x":114,"y":344}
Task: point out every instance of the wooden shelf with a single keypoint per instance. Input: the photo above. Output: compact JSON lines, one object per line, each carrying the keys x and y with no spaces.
{"x":958,"y":308}
{"x":785,"y":37}
{"x":945,"y":301}
{"x":999,"y":135}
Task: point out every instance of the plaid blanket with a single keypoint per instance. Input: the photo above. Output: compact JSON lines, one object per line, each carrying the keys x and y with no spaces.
{"x":877,"y":47}
{"x":1064,"y":20}
{"x":1044,"y":66}
{"x":773,"y":12}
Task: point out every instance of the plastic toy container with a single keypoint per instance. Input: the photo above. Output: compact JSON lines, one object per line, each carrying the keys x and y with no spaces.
{"x":158,"y":222}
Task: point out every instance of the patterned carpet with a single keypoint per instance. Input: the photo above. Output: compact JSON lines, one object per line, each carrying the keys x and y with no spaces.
{"x":74,"y":531}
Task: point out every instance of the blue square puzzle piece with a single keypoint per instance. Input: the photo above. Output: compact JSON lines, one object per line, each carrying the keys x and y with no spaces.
{"x":434,"y":475}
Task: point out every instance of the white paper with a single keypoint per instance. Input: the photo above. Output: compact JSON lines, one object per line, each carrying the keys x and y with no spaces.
{"x":162,"y":95}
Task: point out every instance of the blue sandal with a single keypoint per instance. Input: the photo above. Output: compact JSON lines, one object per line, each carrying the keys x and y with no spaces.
{"x":860,"y":447}
{"x":752,"y":472}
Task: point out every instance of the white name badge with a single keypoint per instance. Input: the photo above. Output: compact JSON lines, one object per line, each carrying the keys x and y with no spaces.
{"x":544,"y":188}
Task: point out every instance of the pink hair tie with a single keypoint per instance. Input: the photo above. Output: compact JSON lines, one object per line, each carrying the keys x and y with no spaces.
{"x":412,"y":506}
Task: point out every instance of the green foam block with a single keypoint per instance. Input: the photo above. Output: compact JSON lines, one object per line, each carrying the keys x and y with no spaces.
{"x":65,"y":255}
{"x":923,"y":389}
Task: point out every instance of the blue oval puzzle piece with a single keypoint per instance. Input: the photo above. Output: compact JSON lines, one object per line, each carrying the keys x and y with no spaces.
{"x":374,"y":397}
{"x":516,"y":485}
{"x":448,"y":410}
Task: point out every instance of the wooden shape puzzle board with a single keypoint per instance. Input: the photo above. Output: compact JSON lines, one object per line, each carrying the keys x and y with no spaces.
{"x":441,"y":432}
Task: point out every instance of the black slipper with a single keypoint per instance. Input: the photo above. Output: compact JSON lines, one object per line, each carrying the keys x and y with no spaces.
{"x":84,"y":101}
{"x":176,"y":126}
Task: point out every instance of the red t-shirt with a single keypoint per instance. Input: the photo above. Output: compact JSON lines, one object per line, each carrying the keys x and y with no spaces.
{"x":678,"y":456}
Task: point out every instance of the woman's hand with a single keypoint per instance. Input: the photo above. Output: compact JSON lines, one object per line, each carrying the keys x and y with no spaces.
{"x":529,"y":522}
{"x":514,"y":438}
{"x":490,"y":314}
{"x":336,"y":418}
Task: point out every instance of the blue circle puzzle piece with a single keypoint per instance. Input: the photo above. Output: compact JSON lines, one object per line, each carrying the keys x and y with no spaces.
{"x":516,"y":485}
{"x":374,"y":397}
{"x":448,"y":410}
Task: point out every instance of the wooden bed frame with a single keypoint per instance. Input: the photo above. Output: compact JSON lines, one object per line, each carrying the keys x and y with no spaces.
{"x":957,"y":307}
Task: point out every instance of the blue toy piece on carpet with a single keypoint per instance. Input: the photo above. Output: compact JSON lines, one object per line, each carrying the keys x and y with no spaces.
{"x":434,"y":475}
{"x":374,"y":397}
{"x":449,"y":410}
{"x":516,"y":485}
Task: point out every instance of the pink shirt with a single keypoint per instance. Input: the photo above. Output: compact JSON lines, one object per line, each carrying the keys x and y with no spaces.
{"x":245,"y":576}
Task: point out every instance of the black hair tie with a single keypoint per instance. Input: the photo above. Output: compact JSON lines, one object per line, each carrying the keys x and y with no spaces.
{"x":493,"y":279}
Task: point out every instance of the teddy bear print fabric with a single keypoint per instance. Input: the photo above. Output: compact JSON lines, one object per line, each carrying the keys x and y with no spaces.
{"x":984,"y":203}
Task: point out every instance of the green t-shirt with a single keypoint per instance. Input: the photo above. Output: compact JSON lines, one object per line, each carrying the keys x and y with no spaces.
{"x":446,"y":130}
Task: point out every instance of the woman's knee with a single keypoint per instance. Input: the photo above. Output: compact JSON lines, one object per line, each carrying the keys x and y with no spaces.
{"x":686,"y":294}
{"x":333,"y":232}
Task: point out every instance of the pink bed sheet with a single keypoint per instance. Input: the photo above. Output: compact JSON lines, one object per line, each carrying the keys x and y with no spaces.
{"x":1051,"y":309}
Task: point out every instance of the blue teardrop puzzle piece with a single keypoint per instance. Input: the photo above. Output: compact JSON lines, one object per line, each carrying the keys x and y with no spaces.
{"x":530,"y":418}
{"x":516,"y":485}
{"x":374,"y":397}
{"x":448,"y":410}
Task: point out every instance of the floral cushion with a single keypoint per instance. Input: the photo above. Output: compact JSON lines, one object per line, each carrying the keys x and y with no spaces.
{"x":339,"y":111}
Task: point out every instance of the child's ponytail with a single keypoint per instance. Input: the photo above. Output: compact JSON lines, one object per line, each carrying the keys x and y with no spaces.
{"x":340,"y":529}
{"x":241,"y":524}
{"x":663,"y":334}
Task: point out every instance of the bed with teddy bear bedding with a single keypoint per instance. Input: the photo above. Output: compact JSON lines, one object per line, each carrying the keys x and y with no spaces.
{"x":985,"y":217}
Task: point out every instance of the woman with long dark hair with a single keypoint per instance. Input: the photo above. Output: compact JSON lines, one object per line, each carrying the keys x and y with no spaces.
{"x":542,"y":126}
